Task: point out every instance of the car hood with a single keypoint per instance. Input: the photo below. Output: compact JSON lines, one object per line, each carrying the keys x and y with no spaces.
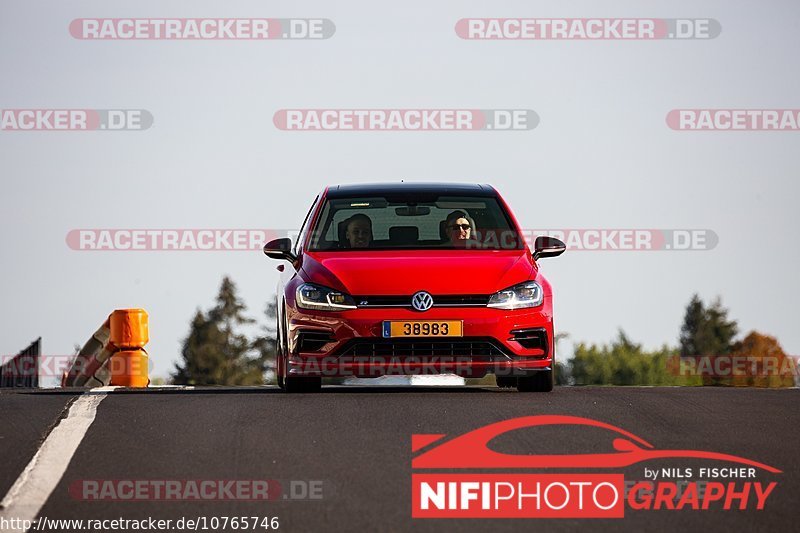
{"x":401,"y":273}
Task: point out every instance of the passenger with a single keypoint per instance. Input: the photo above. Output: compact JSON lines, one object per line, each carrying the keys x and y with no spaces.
{"x":458,"y":228}
{"x":358,"y":231}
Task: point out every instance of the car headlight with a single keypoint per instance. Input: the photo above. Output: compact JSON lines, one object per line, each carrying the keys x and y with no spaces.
{"x":528,"y":294}
{"x":322,"y":298}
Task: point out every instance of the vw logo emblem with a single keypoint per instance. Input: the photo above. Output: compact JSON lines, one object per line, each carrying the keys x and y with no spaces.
{"x":422,"y":301}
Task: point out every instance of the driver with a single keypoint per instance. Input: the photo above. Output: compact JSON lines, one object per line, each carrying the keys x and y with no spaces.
{"x":358,"y":231}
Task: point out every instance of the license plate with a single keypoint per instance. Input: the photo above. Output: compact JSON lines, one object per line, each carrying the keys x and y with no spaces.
{"x":423,"y":328}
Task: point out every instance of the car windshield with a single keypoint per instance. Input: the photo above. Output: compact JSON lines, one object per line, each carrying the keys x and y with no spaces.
{"x":387,"y":223}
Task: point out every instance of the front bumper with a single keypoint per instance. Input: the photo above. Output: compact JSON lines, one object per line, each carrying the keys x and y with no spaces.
{"x":351,"y":343}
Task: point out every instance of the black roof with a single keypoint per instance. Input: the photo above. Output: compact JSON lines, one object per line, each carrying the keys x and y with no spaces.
{"x":410,"y":188}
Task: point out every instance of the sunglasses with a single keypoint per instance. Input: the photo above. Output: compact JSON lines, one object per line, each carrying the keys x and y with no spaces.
{"x":465,"y":227}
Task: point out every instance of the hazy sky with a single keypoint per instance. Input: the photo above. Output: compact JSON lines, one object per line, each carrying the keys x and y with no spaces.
{"x":602,"y":155}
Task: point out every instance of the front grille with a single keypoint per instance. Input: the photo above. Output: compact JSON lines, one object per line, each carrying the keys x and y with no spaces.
{"x":455,"y":300}
{"x":474,"y":348}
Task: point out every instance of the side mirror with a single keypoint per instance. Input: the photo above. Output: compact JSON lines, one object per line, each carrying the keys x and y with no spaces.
{"x":280,"y":249}
{"x":547,"y":247}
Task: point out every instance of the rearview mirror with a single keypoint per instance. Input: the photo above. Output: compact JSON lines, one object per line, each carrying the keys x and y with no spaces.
{"x":279,"y":249}
{"x":412,"y":211}
{"x":547,"y":247}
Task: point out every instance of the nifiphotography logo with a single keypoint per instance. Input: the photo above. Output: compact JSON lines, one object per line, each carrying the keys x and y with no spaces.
{"x":490,"y":484}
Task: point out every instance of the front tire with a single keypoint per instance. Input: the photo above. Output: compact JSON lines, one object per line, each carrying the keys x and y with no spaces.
{"x":280,"y":350}
{"x":506,"y":382}
{"x":291,"y":383}
{"x":538,"y":382}
{"x":302,"y":384}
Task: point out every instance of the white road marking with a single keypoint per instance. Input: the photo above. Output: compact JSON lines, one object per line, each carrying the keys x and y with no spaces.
{"x":106,"y":388}
{"x":31,"y":490}
{"x":437,"y":380}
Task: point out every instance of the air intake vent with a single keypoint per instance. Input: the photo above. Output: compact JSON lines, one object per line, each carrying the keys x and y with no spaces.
{"x":531,"y":338}
{"x":312,"y":340}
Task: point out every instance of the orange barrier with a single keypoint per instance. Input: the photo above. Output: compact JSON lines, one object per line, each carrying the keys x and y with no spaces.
{"x":129,"y":369}
{"x":129,"y":332}
{"x":114,"y":355}
{"x":129,"y":328}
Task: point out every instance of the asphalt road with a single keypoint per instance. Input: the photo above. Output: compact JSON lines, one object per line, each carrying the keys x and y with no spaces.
{"x":356,"y":442}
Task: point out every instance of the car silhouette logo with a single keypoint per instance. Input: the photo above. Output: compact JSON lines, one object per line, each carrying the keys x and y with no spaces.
{"x":422,"y":301}
{"x":471,"y":449}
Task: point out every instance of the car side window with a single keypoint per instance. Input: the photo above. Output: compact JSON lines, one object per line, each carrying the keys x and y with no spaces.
{"x":304,"y":228}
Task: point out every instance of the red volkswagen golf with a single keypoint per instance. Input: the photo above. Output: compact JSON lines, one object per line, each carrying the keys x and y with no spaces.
{"x":412,"y":278}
